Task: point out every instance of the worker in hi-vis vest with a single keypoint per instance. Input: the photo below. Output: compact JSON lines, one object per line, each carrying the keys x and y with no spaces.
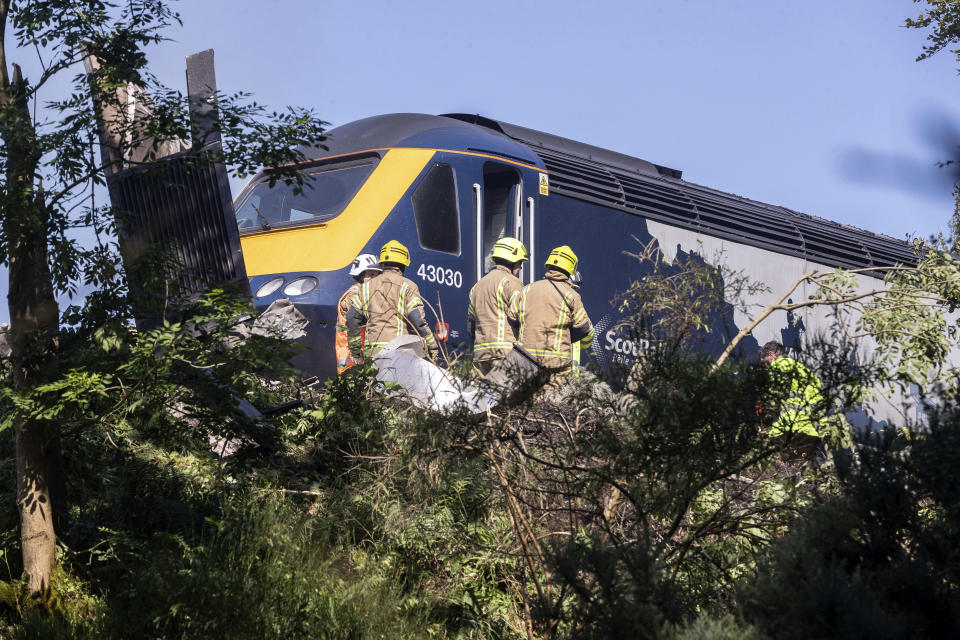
{"x":492,"y":327}
{"x":388,"y":306}
{"x":791,"y":403}
{"x":551,"y":313}
{"x":363,"y":268}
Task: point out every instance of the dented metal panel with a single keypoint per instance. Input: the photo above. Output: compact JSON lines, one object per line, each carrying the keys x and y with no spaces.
{"x":181,"y":203}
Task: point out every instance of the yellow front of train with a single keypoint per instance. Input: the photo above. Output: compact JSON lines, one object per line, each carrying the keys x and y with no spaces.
{"x":298,"y":240}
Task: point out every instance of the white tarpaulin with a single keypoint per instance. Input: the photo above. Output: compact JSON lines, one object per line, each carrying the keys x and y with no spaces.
{"x":428,"y":386}
{"x":424,"y":383}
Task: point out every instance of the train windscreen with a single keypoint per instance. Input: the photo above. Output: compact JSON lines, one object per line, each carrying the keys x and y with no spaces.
{"x":324,"y":194}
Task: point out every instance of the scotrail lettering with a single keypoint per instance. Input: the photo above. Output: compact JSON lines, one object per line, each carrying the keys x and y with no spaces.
{"x":624,"y":346}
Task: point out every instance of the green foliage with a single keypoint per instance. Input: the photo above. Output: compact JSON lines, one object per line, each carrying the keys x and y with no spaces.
{"x":620,"y":591}
{"x":351,"y":419}
{"x":709,"y":628}
{"x":178,"y":381}
{"x":680,"y":487}
{"x":910,"y":323}
{"x":878,"y":559}
{"x":260,"y":570}
{"x":421,"y":513}
{"x":70,"y":612}
{"x":944,"y":18}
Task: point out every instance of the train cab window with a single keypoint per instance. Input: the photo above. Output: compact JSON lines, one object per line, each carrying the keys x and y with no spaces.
{"x":501,"y":198}
{"x":436,"y":212}
{"x":325,"y":193}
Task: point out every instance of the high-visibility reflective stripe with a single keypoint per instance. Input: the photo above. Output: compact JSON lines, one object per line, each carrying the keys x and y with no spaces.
{"x":412,"y":303}
{"x":521,"y":312}
{"x":501,"y":311}
{"x":561,"y":323}
{"x":361,"y":302}
{"x":587,"y":340}
{"x":543,"y":353}
{"x":401,"y":311}
{"x":489,"y":346}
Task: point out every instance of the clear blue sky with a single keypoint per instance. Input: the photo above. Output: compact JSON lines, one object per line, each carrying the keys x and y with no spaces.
{"x":818,"y":105}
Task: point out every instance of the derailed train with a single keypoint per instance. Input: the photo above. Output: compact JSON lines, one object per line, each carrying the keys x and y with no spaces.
{"x":449,"y":186}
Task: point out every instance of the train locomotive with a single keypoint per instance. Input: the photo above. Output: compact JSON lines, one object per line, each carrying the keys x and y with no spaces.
{"x":448,"y":186}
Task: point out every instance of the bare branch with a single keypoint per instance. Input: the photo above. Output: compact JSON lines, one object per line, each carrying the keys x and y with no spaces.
{"x":760,"y":318}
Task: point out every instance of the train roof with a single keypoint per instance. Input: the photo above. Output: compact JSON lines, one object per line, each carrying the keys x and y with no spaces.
{"x":659,"y":193}
{"x":630,"y":184}
{"x":421,"y":131}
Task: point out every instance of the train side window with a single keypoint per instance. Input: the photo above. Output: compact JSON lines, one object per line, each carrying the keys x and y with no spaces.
{"x":501,"y":187}
{"x":436,"y":212}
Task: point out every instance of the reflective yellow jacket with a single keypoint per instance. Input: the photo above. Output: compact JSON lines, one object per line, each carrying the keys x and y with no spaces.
{"x":341,"y":343}
{"x":793,"y":397}
{"x":387,"y":306}
{"x":552,"y":317}
{"x":489,"y":317}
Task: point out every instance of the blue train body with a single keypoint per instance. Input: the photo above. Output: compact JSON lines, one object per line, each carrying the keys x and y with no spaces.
{"x":449,"y":186}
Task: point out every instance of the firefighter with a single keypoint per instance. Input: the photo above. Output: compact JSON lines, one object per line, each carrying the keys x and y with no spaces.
{"x":363,"y":268}
{"x":551,"y":313}
{"x":490,"y":323}
{"x":388,"y":306}
{"x":792,"y":400}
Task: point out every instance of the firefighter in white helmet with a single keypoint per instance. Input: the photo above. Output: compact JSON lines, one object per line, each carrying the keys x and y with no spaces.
{"x":388,"y":306}
{"x":551,"y":313}
{"x":364,"y":267}
{"x":492,"y":327}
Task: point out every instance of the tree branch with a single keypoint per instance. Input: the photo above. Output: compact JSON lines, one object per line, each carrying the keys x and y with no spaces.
{"x":831,"y":302}
{"x":763,"y":316}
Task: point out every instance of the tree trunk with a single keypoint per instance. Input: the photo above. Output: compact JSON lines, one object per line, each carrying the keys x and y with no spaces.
{"x":34,"y":325}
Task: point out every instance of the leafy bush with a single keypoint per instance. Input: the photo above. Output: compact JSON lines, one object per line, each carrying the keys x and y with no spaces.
{"x":259,"y":571}
{"x":878,"y":560}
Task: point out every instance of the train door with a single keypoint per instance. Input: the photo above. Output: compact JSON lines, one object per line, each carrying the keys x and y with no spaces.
{"x":497,"y":205}
{"x":437,"y":257}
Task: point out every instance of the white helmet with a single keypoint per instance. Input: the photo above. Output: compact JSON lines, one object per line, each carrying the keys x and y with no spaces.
{"x":364,"y":262}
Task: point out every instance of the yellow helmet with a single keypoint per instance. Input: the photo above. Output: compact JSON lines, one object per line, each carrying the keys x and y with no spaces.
{"x":396,"y":253}
{"x":509,"y":250}
{"x":564,"y":259}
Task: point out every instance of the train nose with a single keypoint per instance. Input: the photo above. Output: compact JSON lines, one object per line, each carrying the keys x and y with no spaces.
{"x":317,"y":356}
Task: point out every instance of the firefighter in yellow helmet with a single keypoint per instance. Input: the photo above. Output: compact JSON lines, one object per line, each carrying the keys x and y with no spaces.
{"x":490,"y":323}
{"x":388,"y":306}
{"x":364,"y":267}
{"x":551,"y":313}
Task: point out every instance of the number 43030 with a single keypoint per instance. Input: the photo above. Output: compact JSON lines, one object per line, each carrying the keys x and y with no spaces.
{"x":440,"y":275}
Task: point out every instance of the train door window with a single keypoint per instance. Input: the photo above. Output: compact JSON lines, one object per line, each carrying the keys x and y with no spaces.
{"x":435,"y":210}
{"x":501,"y":198}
